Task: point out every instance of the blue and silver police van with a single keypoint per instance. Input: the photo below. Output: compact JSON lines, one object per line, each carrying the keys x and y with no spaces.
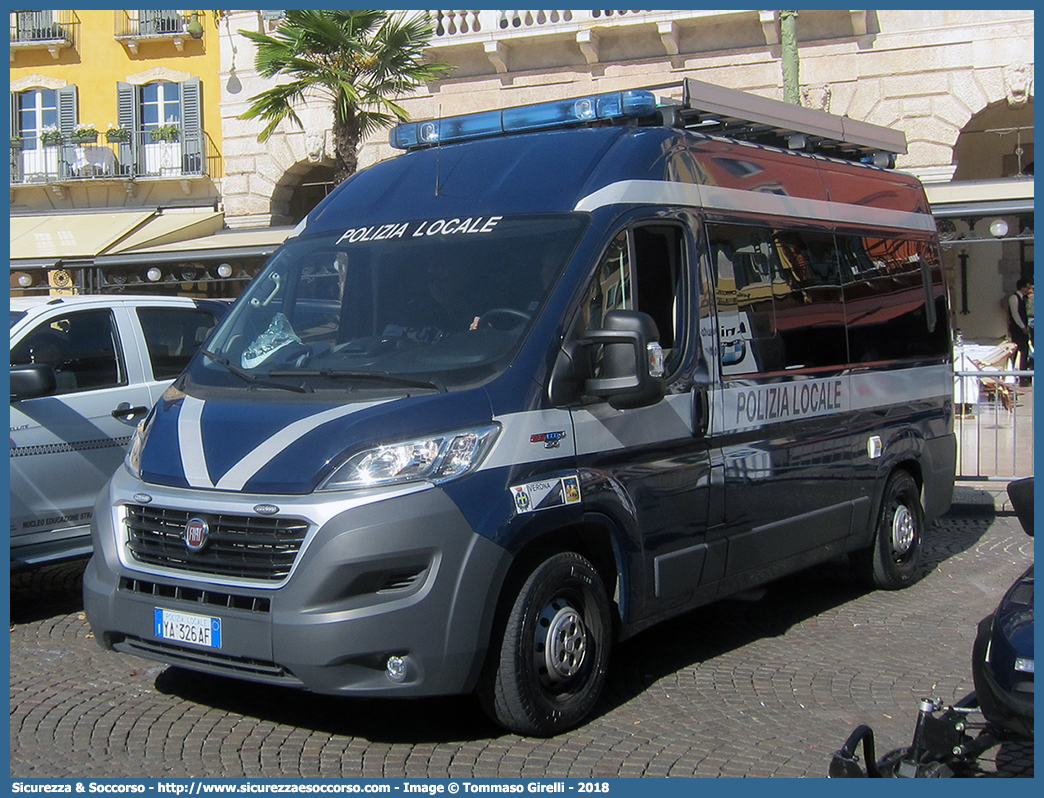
{"x":552,"y":375}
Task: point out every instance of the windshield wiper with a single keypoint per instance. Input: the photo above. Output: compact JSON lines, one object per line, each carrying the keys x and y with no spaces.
{"x":380,"y":376}
{"x":254,"y":379}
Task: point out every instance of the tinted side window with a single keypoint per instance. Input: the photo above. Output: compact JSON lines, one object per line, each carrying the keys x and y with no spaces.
{"x":810,"y":315}
{"x":746,"y":273}
{"x":82,"y":347}
{"x":172,"y":336}
{"x":887,"y":284}
{"x":801,"y":299}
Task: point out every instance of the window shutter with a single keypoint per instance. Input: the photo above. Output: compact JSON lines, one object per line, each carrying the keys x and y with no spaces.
{"x":191,"y":117}
{"x":126,"y":106}
{"x":192,"y":126}
{"x":17,"y":175}
{"x":67,"y":109}
{"x":67,"y":118}
{"x":127,"y":116}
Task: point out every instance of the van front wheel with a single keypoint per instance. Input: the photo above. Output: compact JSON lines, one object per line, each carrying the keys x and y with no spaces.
{"x":547,"y":671}
{"x":893,"y":561}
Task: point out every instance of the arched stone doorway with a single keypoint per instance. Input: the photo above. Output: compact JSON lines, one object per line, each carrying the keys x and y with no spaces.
{"x":302,"y":188}
{"x":986,"y":230}
{"x":996,"y":143}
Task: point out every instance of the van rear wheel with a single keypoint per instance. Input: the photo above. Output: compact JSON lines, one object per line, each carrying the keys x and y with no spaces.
{"x":547,"y":670}
{"x":893,"y":560}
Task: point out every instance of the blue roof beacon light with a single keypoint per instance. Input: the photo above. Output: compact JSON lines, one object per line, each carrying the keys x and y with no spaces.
{"x":619,"y":105}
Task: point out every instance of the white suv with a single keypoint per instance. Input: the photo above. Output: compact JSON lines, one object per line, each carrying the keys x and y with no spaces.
{"x":84,"y":371}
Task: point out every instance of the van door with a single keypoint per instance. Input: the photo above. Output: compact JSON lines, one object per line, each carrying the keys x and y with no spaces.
{"x":649,"y":468}
{"x":64,"y":447}
{"x":789,"y":492}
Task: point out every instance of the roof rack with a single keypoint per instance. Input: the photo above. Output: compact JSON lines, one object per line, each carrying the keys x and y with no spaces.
{"x":740,"y":115}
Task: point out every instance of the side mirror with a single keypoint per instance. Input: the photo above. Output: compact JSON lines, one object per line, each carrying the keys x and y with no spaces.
{"x":32,"y":381}
{"x":631,"y":361}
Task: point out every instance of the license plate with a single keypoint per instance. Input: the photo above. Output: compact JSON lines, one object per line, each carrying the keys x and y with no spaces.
{"x":183,"y":627}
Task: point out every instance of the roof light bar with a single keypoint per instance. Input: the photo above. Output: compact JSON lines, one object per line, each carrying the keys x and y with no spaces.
{"x":632,"y":104}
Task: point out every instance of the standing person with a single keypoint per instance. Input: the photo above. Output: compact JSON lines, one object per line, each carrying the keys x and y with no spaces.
{"x":1019,"y":327}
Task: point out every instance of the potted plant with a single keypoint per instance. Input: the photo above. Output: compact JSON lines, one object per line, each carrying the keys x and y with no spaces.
{"x":166,"y":132}
{"x":83,"y":134}
{"x":50,"y":136}
{"x":16,"y":142}
{"x":115,"y":134}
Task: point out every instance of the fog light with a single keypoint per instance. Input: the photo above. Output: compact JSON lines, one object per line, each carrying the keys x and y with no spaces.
{"x":396,"y":669}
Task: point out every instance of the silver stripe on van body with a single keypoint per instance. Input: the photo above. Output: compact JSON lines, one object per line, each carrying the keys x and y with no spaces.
{"x":515,"y":444}
{"x":239,"y":474}
{"x":758,"y":403}
{"x":662,"y":192}
{"x":193,"y":458}
{"x":600,"y":428}
{"x":190,"y":443}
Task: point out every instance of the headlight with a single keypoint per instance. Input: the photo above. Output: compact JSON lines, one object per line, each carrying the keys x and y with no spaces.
{"x":435,"y":459}
{"x":141,"y":433}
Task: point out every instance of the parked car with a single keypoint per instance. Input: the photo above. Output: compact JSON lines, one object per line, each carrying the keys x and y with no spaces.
{"x":84,"y":370}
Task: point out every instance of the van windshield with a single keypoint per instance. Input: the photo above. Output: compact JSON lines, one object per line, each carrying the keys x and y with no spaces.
{"x":436,"y":304}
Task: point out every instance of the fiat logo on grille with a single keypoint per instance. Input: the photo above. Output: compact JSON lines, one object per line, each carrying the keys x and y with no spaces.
{"x":197,"y":532}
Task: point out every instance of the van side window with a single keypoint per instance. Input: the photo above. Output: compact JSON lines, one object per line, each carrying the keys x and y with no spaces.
{"x":747,"y":273}
{"x":651,"y":258}
{"x":810,"y":314}
{"x":802,"y":299}
{"x":660,"y":279}
{"x":82,"y":348}
{"x":887,"y":290}
{"x":611,"y":287}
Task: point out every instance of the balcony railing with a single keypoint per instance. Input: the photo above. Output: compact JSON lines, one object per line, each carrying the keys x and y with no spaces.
{"x":155,"y":24}
{"x":191,"y":155}
{"x":450,"y":24}
{"x":50,"y":30}
{"x":499,"y":33}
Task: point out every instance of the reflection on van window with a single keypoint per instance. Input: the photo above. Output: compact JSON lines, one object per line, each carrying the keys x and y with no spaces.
{"x":658,"y":275}
{"x":785,"y":298}
{"x":445,"y":307}
{"x":611,"y":288}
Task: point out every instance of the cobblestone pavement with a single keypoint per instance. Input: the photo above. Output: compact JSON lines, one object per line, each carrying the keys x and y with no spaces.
{"x":741,"y":688}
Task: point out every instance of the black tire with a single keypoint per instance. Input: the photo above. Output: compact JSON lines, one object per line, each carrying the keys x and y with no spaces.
{"x":894,"y":558}
{"x":547,"y":669}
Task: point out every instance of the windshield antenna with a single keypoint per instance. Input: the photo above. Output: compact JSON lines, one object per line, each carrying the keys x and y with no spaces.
{"x":438,"y":148}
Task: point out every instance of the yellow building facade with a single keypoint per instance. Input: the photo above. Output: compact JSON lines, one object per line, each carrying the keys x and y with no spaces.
{"x":115,"y":137}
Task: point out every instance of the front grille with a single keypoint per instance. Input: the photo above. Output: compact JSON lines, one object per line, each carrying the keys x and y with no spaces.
{"x":206,"y":598}
{"x":251,"y":547}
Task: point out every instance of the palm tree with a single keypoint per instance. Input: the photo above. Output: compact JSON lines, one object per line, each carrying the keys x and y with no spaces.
{"x":359,"y":61}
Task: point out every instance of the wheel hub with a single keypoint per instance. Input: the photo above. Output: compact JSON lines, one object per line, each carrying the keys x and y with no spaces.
{"x":903,"y":530}
{"x":565,"y":641}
